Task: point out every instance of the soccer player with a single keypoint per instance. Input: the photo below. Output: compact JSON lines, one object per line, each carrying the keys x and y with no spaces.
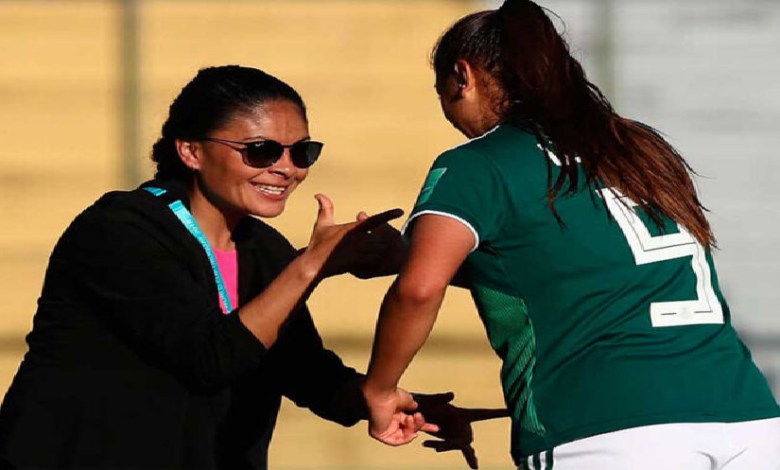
{"x":585,"y":247}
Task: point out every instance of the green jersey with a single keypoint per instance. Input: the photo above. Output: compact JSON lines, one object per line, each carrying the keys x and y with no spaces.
{"x":604,"y":322}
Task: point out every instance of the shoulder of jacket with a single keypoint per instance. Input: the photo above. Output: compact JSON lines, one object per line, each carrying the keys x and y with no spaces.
{"x":128,"y":218}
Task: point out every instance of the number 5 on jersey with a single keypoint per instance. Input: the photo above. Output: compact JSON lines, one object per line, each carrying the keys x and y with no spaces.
{"x":655,"y":249}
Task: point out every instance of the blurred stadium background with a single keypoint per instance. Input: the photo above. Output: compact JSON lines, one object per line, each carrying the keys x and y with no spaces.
{"x":85,"y":85}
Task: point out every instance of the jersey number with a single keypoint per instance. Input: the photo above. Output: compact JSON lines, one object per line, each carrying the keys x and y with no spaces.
{"x":653,"y":249}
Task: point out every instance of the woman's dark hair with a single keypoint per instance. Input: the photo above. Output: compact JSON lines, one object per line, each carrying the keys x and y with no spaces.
{"x":543,"y":88}
{"x":207,"y":102}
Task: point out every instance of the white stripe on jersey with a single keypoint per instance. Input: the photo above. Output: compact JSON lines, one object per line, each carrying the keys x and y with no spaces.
{"x":445,"y":214}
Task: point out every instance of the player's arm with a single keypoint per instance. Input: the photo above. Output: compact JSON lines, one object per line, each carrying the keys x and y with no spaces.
{"x":438,"y":246}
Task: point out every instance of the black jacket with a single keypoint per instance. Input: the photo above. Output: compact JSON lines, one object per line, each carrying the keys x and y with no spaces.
{"x":132,"y":364}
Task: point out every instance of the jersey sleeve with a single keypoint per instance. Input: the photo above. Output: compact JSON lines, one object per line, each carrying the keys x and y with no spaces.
{"x":465,"y":186}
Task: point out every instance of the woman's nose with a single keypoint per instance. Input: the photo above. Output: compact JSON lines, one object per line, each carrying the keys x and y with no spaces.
{"x":284,"y":166}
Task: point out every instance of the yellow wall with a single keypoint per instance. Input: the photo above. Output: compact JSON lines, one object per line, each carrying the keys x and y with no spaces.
{"x":362,"y":67}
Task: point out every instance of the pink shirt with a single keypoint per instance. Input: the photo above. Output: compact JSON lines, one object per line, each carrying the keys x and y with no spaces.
{"x":228,"y":267}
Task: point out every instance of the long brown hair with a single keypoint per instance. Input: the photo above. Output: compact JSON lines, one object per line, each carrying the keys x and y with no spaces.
{"x":544,"y":89}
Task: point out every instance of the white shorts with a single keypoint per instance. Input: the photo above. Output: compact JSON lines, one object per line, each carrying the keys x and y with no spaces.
{"x":747,"y":445}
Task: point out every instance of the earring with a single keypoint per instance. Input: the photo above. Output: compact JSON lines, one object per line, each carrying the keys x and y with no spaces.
{"x":461,"y":85}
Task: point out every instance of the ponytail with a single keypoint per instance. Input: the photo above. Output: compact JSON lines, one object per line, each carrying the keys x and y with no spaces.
{"x":546,"y":91}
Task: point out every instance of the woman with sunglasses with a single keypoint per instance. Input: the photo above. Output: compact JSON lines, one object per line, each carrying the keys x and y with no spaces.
{"x":172,"y":319}
{"x":581,"y":238}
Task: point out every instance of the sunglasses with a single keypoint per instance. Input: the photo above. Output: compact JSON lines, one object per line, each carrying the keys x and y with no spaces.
{"x":264,"y":153}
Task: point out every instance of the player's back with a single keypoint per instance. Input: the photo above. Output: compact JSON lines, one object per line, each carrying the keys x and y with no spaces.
{"x":604,"y":320}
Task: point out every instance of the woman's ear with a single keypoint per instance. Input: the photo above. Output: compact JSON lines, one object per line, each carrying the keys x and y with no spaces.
{"x":465,"y":77}
{"x":189,"y":153}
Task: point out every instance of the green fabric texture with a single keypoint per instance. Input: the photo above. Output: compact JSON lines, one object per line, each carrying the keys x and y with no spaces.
{"x":603,"y":323}
{"x":512,"y":337}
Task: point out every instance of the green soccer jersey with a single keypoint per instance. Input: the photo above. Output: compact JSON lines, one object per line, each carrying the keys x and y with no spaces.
{"x":603,"y":323}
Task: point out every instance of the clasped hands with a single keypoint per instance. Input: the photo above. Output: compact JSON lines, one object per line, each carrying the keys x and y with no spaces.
{"x":368,"y":247}
{"x":371,"y":247}
{"x":395,"y":418}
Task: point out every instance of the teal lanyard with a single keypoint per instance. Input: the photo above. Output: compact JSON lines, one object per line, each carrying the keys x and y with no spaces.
{"x":191,"y":224}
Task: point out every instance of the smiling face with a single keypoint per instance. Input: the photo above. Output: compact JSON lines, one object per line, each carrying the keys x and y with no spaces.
{"x":233,"y":187}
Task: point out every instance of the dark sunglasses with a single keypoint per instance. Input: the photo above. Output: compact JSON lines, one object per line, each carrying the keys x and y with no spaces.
{"x":264,"y":153}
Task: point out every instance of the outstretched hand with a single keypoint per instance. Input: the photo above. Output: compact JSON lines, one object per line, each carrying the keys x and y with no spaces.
{"x":392,"y":419}
{"x":333,"y":245}
{"x":455,"y":432}
{"x":381,"y":253}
